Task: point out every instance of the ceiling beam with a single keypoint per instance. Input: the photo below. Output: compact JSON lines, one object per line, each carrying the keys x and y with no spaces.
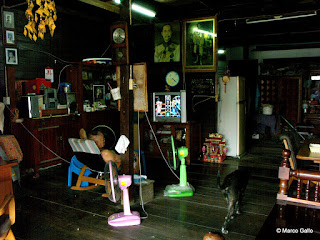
{"x":104,"y":5}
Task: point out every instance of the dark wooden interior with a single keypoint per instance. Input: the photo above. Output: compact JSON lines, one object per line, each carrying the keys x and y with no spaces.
{"x":277,"y":60}
{"x":47,"y":208}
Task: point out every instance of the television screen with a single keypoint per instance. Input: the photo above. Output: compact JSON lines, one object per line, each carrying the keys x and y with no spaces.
{"x":167,"y":107}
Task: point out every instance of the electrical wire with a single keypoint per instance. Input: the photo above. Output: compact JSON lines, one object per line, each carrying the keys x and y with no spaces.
{"x":156,"y":140}
{"x":38,"y":139}
{"x":60,"y":75}
{"x":47,"y":53}
{"x":41,"y":143}
{"x":208,"y":98}
{"x":106,"y":50}
{"x":139,"y":157}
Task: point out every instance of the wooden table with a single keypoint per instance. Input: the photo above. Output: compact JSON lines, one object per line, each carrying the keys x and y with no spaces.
{"x":305,"y":153}
{"x":290,"y":222}
{"x":5,"y":178}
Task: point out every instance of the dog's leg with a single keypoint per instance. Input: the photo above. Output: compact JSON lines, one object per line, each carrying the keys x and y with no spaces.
{"x":229,"y":216}
{"x":238,"y":212}
{"x":239,"y":202}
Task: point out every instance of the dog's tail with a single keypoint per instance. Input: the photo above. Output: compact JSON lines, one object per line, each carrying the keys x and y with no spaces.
{"x":218,"y":180}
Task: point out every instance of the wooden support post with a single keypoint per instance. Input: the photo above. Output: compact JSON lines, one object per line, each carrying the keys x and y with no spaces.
{"x":307,"y":190}
{"x":299,"y":188}
{"x":284,"y":173}
{"x":126,"y":118}
{"x":10,"y":81}
{"x":126,"y":123}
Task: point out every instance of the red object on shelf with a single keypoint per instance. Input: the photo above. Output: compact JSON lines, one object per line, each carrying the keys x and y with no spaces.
{"x":36,"y":85}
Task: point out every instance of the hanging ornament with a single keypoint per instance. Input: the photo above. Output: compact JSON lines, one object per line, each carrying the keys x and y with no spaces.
{"x":226,"y":79}
{"x":45,"y":15}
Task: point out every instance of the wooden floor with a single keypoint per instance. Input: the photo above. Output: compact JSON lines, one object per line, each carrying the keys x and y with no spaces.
{"x":47,"y":209}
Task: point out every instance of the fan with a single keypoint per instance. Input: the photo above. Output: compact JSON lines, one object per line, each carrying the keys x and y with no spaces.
{"x":109,"y":135}
{"x":114,"y":185}
{"x":183,"y":189}
{"x":171,"y":156}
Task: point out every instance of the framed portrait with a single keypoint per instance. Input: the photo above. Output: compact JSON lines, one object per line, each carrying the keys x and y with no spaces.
{"x":11,"y":56}
{"x":8,"y":19}
{"x":140,"y":94}
{"x":98,"y":93}
{"x":167,"y":42}
{"x":199,"y":44}
{"x":9,"y":37}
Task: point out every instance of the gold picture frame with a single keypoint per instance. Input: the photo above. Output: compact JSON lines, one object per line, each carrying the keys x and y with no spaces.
{"x":200,"y":44}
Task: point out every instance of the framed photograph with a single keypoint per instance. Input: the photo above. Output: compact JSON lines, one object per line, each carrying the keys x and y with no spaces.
{"x":199,"y":44}
{"x":9,"y":37}
{"x":98,"y":93}
{"x":8,"y":19}
{"x":167,"y":42}
{"x":140,"y":94}
{"x":11,"y":56}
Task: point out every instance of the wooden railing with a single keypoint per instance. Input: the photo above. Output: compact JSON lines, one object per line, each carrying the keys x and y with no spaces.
{"x":303,"y":191}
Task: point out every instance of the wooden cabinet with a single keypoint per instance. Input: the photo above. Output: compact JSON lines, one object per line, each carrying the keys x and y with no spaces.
{"x":44,"y":141}
{"x":185,"y":134}
{"x":83,"y":77}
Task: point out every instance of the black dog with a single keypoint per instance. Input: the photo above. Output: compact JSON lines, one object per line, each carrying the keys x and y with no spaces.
{"x":233,"y":188}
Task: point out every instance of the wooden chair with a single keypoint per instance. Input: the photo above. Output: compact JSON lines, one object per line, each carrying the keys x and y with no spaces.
{"x":92,"y":156}
{"x":292,"y":142}
{"x":305,"y":195}
{"x":7,"y":217}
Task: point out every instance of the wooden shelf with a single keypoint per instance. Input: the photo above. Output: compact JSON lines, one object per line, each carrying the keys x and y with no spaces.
{"x":163,"y":131}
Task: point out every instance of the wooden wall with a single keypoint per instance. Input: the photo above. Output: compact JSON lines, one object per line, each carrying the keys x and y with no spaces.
{"x":79,"y":34}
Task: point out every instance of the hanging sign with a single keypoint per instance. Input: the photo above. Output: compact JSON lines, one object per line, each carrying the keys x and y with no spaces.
{"x":49,"y":73}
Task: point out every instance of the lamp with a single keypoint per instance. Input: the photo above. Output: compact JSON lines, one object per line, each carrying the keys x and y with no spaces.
{"x":142,"y":10}
{"x":45,"y":15}
{"x":281,"y":17}
{"x":204,"y":32}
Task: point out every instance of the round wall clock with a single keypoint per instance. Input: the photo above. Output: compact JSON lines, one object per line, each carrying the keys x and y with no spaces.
{"x":118,"y":35}
{"x":172,"y":78}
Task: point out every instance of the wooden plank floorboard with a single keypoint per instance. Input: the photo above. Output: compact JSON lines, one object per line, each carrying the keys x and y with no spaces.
{"x":64,"y":222}
{"x":48,"y":209}
{"x":205,"y":214}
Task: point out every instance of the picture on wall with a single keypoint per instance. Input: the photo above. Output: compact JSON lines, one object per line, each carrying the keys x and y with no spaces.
{"x":140,"y":93}
{"x":199,"y":44}
{"x":98,"y":93}
{"x":11,"y":56}
{"x":10,"y":37}
{"x":8,"y":19}
{"x":167,"y":42}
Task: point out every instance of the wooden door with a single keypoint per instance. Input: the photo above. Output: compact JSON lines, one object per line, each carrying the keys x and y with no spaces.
{"x":285,"y":94}
{"x":290,"y":99}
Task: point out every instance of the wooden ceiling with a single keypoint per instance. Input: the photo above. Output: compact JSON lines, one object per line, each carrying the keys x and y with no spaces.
{"x":232,"y":16}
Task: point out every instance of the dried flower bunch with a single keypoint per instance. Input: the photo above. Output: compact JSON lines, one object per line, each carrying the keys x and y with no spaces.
{"x":45,"y":15}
